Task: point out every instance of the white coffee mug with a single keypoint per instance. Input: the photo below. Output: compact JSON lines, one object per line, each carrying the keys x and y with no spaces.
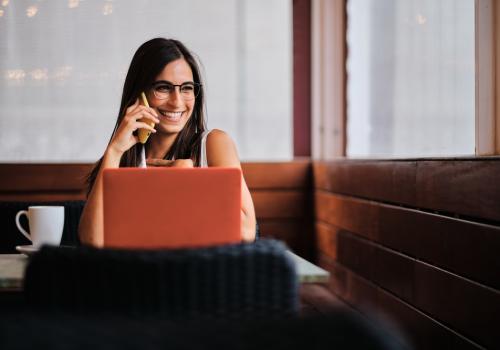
{"x":46,"y":224}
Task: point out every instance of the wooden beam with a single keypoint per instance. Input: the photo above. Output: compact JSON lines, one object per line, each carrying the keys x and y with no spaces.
{"x":302,"y":78}
{"x":328,"y":78}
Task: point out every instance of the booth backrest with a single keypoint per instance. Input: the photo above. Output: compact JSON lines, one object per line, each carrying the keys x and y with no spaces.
{"x":229,"y":281}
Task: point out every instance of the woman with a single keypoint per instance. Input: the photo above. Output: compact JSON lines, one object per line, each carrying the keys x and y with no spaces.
{"x":169,"y":75}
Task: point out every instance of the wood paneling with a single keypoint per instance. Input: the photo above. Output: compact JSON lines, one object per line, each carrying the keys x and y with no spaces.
{"x":382,"y":180}
{"x":282,"y":204}
{"x":30,"y":196}
{"x":347,"y":213}
{"x":326,"y":239}
{"x":298,"y":234}
{"x":276,"y":176}
{"x":393,"y":271}
{"x":421,"y":330}
{"x":462,"y":304}
{"x":42,"y":177}
{"x":463,"y":247}
{"x":417,"y":240}
{"x":468,"y":187}
{"x":471,"y":309}
{"x":70,"y":177}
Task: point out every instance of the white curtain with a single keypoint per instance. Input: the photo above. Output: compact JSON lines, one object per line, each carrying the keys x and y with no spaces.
{"x":410,"y":78}
{"x":63,"y":63}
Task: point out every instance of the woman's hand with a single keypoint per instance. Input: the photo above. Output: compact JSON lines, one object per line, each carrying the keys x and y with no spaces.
{"x":124,"y":139}
{"x":178,"y":163}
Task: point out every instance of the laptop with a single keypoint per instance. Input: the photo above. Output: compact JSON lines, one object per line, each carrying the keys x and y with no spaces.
{"x":171,"y":207}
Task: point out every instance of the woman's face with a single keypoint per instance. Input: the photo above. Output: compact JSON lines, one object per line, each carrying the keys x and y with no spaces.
{"x":173,"y":105}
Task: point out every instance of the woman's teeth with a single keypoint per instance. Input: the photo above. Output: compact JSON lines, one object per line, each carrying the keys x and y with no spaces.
{"x":171,"y":115}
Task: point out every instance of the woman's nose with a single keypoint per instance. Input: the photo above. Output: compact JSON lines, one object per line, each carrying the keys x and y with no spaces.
{"x":175,"y":96}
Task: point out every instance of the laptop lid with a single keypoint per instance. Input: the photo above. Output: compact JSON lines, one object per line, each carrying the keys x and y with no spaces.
{"x":171,"y":207}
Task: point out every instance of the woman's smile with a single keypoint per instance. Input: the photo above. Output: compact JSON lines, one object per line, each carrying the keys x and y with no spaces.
{"x":173,"y":116}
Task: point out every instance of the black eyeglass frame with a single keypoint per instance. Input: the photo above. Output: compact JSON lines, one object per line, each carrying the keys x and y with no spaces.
{"x":197,"y":87}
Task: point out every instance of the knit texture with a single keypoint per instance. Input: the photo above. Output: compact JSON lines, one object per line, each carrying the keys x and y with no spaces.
{"x":231,"y":281}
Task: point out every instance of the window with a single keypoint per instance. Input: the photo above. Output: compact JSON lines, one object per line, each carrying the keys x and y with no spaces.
{"x":63,"y":63}
{"x":410,"y":78}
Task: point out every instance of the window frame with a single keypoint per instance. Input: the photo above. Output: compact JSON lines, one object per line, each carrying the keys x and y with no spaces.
{"x":329,"y":78}
{"x":487,"y":133}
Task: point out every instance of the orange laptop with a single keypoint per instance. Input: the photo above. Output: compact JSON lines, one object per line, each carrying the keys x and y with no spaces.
{"x":171,"y":207}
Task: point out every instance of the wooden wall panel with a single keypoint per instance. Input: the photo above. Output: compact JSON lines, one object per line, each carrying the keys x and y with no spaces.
{"x":326,"y":239}
{"x":277,"y":176}
{"x":32,"y":196}
{"x":463,"y":247}
{"x":388,"y":181}
{"x":347,"y":213}
{"x":70,"y":177}
{"x":462,"y":304}
{"x":420,"y":329}
{"x":281,"y":204}
{"x":297,"y":234}
{"x":42,"y":177}
{"x":471,"y":309}
{"x":417,"y":240}
{"x":468,"y":187}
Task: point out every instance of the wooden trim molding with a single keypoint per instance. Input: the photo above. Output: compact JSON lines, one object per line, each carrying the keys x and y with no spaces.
{"x":302,"y":78}
{"x":328,"y":78}
{"x":496,"y":41}
{"x":486,"y":118}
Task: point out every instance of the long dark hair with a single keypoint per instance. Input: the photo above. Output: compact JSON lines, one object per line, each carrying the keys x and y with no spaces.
{"x":148,"y":61}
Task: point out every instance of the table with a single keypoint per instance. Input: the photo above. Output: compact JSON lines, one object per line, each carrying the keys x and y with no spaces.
{"x":12,"y":271}
{"x":308,"y":272}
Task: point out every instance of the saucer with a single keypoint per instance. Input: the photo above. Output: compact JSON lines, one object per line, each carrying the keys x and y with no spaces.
{"x":26,"y":249}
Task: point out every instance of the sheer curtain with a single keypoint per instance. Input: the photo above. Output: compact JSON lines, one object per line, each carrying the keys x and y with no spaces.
{"x":63,"y":63}
{"x":410,"y":78}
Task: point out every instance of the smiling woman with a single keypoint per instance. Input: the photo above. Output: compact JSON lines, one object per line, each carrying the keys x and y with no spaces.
{"x":169,"y":75}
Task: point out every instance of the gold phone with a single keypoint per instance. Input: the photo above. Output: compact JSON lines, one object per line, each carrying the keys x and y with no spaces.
{"x":144,"y":133}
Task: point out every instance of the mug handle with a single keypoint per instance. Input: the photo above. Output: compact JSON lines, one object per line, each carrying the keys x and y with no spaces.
{"x":18,"y":215}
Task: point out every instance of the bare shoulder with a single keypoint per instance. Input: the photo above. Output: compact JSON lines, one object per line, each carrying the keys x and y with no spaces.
{"x":221,"y":149}
{"x":217,"y":136}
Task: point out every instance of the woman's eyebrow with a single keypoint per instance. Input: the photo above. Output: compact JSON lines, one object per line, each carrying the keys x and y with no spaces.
{"x":162,"y":82}
{"x":168,"y":82}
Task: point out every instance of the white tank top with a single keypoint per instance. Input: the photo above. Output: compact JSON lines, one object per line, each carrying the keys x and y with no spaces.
{"x":203,"y":152}
{"x":203,"y":149}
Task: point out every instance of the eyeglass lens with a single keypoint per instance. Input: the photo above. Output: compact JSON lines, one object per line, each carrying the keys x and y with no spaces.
{"x":164,"y":90}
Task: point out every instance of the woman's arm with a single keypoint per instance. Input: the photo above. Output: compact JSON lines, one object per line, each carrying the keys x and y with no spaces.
{"x":91,"y":225}
{"x":221,"y":152}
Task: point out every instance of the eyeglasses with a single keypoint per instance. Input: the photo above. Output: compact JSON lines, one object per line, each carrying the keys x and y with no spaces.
{"x":164,"y":89}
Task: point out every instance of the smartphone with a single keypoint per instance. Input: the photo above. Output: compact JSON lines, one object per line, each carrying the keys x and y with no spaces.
{"x":144,"y":133}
